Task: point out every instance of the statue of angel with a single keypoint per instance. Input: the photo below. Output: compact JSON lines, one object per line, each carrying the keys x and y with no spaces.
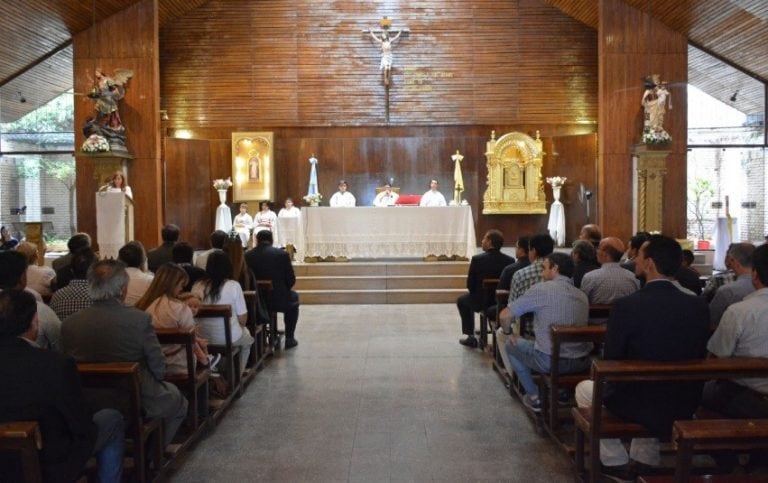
{"x":107,"y":91}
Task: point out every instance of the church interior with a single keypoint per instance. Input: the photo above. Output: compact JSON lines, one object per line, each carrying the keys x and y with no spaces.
{"x":379,"y":390}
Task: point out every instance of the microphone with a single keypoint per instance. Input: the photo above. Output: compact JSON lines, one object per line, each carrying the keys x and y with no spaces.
{"x":103,"y":188}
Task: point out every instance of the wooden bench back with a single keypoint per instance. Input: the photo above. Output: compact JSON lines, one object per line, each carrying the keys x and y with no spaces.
{"x":23,"y":438}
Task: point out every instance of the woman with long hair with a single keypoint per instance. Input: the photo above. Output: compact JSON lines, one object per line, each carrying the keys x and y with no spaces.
{"x":218,"y":287}
{"x":168,"y":311}
{"x":118,"y":183}
{"x":240,"y":271}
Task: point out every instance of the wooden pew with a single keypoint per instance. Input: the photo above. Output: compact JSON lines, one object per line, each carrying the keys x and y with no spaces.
{"x":488,"y":296}
{"x":599,"y":312}
{"x":595,"y":422}
{"x":116,"y":385}
{"x":194,"y":383}
{"x":230,"y":355}
{"x":265,"y":289}
{"x":23,"y":438}
{"x":553,"y":381}
{"x":258,"y":349}
{"x":715,"y":434}
{"x":498,"y":364}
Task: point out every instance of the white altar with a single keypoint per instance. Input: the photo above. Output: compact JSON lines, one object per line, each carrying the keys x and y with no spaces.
{"x":391,"y":232}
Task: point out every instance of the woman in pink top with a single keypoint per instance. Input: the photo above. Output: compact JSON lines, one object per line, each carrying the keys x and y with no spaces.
{"x":162,"y":302}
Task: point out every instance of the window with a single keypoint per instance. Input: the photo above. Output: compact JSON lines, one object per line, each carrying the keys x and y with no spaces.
{"x":37,"y":170}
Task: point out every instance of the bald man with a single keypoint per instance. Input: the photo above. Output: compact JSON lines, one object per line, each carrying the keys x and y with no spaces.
{"x":611,"y":281}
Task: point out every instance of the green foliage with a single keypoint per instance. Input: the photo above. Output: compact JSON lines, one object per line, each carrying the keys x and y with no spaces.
{"x":60,"y":169}
{"x":700,"y":193}
{"x":56,"y":116}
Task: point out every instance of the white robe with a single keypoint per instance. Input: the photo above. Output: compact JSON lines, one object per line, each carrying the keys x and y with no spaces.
{"x":432,"y":198}
{"x":385,"y":199}
{"x":242,"y":225}
{"x":345,"y":199}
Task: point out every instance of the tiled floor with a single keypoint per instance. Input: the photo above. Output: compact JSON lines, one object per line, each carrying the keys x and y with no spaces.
{"x":376,"y":393}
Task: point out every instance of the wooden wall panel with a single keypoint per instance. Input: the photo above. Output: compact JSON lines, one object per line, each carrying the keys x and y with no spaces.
{"x":308,"y":63}
{"x":187,"y":185}
{"x":128,"y":39}
{"x":632,"y":45}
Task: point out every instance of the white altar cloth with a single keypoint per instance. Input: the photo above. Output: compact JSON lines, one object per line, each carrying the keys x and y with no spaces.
{"x":391,"y":232}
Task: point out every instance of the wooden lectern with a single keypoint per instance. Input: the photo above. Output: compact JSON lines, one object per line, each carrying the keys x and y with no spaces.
{"x":114,"y":222}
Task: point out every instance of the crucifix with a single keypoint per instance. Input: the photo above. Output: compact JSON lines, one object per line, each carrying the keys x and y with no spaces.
{"x":385,"y":39}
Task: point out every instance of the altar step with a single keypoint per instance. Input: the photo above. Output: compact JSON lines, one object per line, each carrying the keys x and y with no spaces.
{"x":388,"y":282}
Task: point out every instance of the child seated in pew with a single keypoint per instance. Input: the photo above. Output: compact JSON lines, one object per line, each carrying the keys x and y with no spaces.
{"x":163,"y":302}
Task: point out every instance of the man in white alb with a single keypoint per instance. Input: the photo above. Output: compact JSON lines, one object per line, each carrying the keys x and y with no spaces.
{"x":342,"y":198}
{"x":386,"y":197}
{"x":289,"y":211}
{"x":432,"y":197}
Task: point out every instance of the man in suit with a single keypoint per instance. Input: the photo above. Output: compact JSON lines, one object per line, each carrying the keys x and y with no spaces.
{"x":656,"y":323}
{"x":163,"y":253}
{"x":270,"y":263}
{"x":44,"y":386}
{"x":488,"y":264}
{"x":110,"y":331}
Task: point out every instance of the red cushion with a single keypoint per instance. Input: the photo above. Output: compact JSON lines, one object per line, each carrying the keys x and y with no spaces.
{"x":408,"y":200}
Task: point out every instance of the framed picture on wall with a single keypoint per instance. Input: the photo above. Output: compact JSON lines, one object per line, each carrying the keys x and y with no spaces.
{"x":253,"y":172}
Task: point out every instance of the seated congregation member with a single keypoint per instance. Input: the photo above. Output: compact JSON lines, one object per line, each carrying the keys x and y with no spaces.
{"x":505,"y":278}
{"x":342,"y":198}
{"x":132,"y":255}
{"x":44,"y":386}
{"x":555,"y":301}
{"x":743,"y":332}
{"x":164,"y":253}
{"x":243,"y":224}
{"x":41,"y":279}
{"x":110,"y":331}
{"x":68,"y":300}
{"x":488,"y":264}
{"x":656,"y":323}
{"x":719,"y":278}
{"x":79,"y":241}
{"x":270,"y":263}
{"x":168,"y":311}
{"x":13,"y":276}
{"x":687,"y":276}
{"x":386,"y":197}
{"x":539,"y":248}
{"x":635,"y":243}
{"x":740,"y":255}
{"x":610,"y":281}
{"x":218,"y":288}
{"x":240,"y":271}
{"x":584,"y":256}
{"x":7,"y":242}
{"x":591,"y":233}
{"x":289,"y":211}
{"x":182,"y":256}
{"x":432,"y":197}
{"x":217,"y":240}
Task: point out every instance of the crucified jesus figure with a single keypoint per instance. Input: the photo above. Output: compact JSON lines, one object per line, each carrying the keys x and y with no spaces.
{"x":386,"y":51}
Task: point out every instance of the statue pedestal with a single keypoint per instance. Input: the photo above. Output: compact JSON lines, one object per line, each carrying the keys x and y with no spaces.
{"x":649,"y":166}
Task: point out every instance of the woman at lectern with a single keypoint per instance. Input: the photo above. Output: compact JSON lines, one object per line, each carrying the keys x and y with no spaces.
{"x":117,"y":183}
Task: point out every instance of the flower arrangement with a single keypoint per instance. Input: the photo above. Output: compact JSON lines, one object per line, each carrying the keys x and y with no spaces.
{"x":95,"y":144}
{"x":222,"y":184}
{"x":557,"y":181}
{"x":656,"y":136}
{"x":315,"y":198}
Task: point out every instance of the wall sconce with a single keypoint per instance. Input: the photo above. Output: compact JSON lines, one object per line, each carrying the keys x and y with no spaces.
{"x":733,"y":97}
{"x":164,"y":115}
{"x":22,"y":99}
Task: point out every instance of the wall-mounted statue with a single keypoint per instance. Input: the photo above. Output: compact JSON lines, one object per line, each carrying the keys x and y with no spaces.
{"x":514,"y":175}
{"x":106,"y":125}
